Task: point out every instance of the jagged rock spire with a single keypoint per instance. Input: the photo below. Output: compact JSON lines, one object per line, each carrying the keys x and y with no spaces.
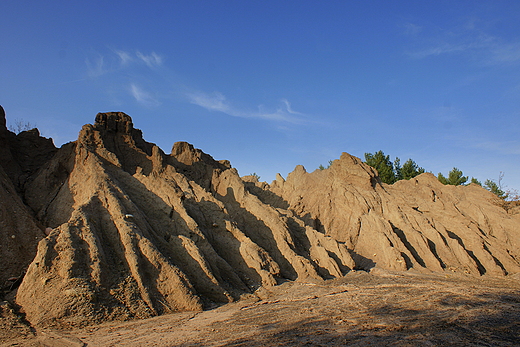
{"x":114,"y":121}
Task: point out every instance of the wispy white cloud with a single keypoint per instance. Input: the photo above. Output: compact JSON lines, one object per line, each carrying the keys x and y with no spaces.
{"x":411,"y":29}
{"x":438,"y":50}
{"x":468,"y":38}
{"x":118,"y":60}
{"x":143,"y":96}
{"x":213,"y":102}
{"x":152,"y":60}
{"x":481,"y":43}
{"x":125,"y":57}
{"x":506,"y":53}
{"x":283,"y":113}
{"x":217,"y":102}
{"x":289,"y":109}
{"x":96,"y":67}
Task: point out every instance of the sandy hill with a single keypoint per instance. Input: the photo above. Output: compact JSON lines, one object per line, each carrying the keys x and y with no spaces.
{"x":109,"y":227}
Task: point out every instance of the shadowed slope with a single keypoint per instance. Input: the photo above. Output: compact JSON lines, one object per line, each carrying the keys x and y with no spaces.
{"x":19,"y":231}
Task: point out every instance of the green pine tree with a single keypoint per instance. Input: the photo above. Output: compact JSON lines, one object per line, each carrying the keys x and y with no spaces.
{"x":455,"y":178}
{"x":398,"y":169}
{"x":410,"y":169}
{"x":383,"y":165}
{"x":476,"y":181}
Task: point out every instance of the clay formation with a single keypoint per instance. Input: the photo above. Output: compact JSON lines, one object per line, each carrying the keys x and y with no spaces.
{"x":127,"y":231}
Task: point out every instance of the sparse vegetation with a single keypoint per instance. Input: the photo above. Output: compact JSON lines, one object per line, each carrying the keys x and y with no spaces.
{"x":494,"y":188}
{"x":391,"y":172}
{"x":20,"y":125}
{"x":507,"y":198}
{"x":255,"y":175}
{"x":475,"y":181}
{"x":321,"y":167}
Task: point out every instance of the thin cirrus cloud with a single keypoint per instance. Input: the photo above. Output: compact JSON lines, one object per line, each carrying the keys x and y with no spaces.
{"x":486,"y":49}
{"x":506,"y":53}
{"x":126,"y":58}
{"x":411,"y":29}
{"x":487,"y":53}
{"x":482,"y":43}
{"x":213,"y":102}
{"x":142,"y":96}
{"x":217,"y":102}
{"x":102,"y":64}
{"x":118,"y":61}
{"x":152,"y":60}
{"x":444,"y":48}
{"x":96,"y":66}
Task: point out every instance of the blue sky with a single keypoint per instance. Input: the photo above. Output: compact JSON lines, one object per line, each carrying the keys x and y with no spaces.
{"x":269,"y":85}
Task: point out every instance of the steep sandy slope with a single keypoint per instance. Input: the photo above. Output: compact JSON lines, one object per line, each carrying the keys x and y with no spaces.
{"x":419,"y":224}
{"x":138,"y":233}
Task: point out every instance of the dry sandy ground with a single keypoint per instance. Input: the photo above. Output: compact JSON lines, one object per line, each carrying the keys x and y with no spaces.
{"x":362,"y":309}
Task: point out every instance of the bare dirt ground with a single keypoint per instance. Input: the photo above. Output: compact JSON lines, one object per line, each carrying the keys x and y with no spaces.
{"x":362,"y":309}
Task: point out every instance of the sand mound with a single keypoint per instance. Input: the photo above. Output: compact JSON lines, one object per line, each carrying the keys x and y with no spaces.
{"x":418,"y":224}
{"x":138,"y":233}
{"x":134,"y":232}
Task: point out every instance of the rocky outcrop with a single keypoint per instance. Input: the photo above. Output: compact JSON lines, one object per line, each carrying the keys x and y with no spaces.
{"x":8,"y":163}
{"x":418,"y":224}
{"x":21,"y":155}
{"x":134,"y":232}
{"x":138,"y":233}
{"x":19,"y":234}
{"x":19,"y":231}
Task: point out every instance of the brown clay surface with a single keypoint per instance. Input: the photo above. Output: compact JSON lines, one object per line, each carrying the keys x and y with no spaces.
{"x":381,"y":308}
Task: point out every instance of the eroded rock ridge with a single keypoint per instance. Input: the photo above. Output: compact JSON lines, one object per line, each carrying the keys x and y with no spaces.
{"x":127,"y":231}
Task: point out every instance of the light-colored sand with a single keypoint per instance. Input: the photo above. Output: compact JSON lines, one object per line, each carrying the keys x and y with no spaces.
{"x":362,"y":309}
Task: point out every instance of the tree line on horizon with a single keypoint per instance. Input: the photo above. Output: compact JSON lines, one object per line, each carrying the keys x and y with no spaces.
{"x":393,"y":171}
